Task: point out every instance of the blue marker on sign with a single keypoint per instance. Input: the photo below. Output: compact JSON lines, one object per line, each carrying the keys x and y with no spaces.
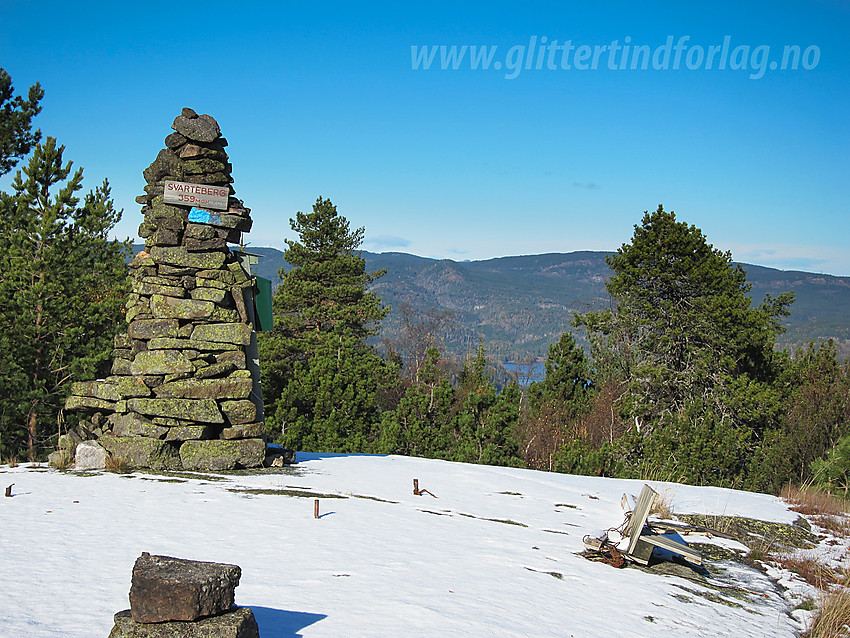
{"x":201,"y":216}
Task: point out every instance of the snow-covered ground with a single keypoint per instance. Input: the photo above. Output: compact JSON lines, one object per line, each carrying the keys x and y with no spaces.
{"x":378,"y":562}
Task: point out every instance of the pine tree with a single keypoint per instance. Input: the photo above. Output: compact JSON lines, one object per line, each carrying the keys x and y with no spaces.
{"x":320,"y":377}
{"x":566,"y":381}
{"x":556,"y":404}
{"x":697,"y":358}
{"x":816,"y":415}
{"x":16,"y":135}
{"x":421,"y":424}
{"x":485,"y":421}
{"x":62,"y":283}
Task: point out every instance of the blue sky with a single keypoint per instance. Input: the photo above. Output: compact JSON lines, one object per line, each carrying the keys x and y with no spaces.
{"x":322,"y":99}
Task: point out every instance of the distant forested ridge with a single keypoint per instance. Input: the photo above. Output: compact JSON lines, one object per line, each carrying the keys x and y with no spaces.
{"x":517,"y":306}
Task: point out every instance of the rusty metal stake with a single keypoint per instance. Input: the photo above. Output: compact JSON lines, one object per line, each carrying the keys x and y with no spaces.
{"x":316,"y":509}
{"x":419,"y":492}
{"x":9,"y":490}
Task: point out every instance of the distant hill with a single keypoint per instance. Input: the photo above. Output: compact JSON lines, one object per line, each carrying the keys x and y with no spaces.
{"x":517,"y":306}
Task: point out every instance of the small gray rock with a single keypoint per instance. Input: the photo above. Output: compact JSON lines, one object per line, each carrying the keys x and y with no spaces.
{"x":90,"y":455}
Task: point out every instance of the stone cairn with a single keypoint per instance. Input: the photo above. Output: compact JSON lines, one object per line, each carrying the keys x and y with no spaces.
{"x":182,"y":394}
{"x":178,"y":598}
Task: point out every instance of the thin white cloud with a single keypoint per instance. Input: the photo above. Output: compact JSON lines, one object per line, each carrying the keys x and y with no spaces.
{"x":384,"y":242}
{"x":821,"y":259}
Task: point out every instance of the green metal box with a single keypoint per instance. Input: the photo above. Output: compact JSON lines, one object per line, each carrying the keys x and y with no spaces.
{"x":263,"y":303}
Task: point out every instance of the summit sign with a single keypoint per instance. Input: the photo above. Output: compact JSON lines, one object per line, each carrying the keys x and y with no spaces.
{"x":200,"y":195}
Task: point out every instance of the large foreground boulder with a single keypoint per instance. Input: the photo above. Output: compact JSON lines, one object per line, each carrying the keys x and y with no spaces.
{"x":239,"y":623}
{"x":165,"y":588}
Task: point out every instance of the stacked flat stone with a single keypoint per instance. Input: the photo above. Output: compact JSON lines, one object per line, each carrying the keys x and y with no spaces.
{"x":178,"y":598}
{"x":181,"y":394}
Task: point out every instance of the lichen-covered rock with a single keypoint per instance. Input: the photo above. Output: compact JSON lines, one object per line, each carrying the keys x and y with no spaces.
{"x":235,"y":357}
{"x":119,"y":367}
{"x":149,"y":328}
{"x":224,"y":315}
{"x":147,"y":288}
{"x":202,"y":282}
{"x":140,"y":451}
{"x":216,"y":295}
{"x":165,"y":588}
{"x":188,"y":409}
{"x":175,"y":140}
{"x":227,"y":388}
{"x":96,"y":389}
{"x":225,"y":277}
{"x":239,"y":412}
{"x":239,"y":623}
{"x":239,"y":274}
{"x":217,"y":454}
{"x":215,"y":370}
{"x":184,"y":343}
{"x":247,"y":431}
{"x":217,"y":243}
{"x":203,"y":165}
{"x":133,"y":424}
{"x":212,"y":150}
{"x":190,"y":433}
{"x":164,"y":307}
{"x":166,"y":163}
{"x":74,"y":402}
{"x":201,"y":128}
{"x":235,"y":333}
{"x":160,"y":362}
{"x":68,"y":443}
{"x":181,"y":257}
{"x":166,"y":216}
{"x":129,"y":387}
{"x":198,"y":231}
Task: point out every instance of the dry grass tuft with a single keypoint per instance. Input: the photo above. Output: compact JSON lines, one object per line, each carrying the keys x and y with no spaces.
{"x":832,"y":620}
{"x":721,"y":523}
{"x":663,"y":507}
{"x":810,"y":500}
{"x":63,"y":461}
{"x":810,"y":570}
{"x":653,"y":473}
{"x":825,"y":509}
{"x":760,"y":552}
{"x":12,"y":461}
{"x":116,"y":464}
{"x":838,"y":525}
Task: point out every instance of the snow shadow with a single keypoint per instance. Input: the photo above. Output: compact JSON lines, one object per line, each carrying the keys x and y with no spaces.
{"x":278,"y":623}
{"x":315,"y":456}
{"x":661,"y":557}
